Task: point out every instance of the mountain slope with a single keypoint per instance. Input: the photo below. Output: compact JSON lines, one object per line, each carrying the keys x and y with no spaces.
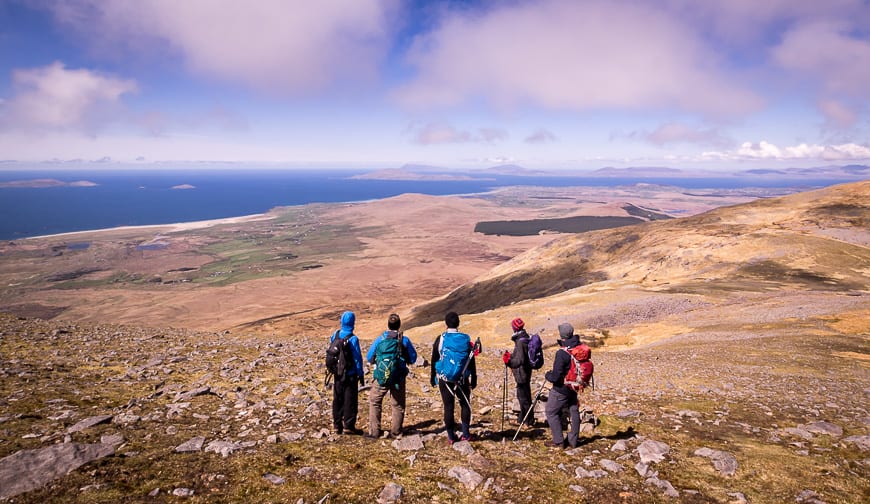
{"x":816,"y":240}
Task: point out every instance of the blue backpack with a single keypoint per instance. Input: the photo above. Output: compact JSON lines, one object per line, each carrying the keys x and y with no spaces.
{"x":455,"y":351}
{"x":536,"y":352}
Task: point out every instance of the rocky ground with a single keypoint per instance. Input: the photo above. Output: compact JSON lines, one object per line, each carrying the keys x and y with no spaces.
{"x":768,"y":412}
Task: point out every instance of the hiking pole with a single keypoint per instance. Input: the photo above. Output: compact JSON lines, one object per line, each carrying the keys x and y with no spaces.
{"x":504,"y":399}
{"x":531,"y":409}
{"x":475,"y":349}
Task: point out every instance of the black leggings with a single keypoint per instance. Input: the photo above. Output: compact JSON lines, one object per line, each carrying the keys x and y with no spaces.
{"x":524,"y":397}
{"x":463,"y":395}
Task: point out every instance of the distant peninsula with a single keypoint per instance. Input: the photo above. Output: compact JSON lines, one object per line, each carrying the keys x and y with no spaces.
{"x":44,"y":183}
{"x":403,"y":174}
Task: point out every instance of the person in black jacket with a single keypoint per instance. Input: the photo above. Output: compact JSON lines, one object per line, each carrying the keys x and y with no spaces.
{"x":562,"y":399}
{"x":456,"y":391}
{"x":521,"y":367}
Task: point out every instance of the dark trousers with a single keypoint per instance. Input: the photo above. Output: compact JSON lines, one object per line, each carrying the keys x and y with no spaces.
{"x":449,"y":397}
{"x":524,"y":396}
{"x":558,"y":405}
{"x":345,"y":403}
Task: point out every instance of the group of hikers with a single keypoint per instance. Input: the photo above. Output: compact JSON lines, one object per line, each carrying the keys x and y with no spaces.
{"x":453,"y":370}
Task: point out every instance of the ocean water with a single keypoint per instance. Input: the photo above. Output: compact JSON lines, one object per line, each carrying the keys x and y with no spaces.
{"x":132,"y":198}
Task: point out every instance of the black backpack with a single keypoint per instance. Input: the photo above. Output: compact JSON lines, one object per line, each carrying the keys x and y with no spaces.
{"x":338,"y":356}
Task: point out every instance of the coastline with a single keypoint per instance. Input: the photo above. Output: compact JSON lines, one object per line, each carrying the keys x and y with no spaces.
{"x":173,"y":227}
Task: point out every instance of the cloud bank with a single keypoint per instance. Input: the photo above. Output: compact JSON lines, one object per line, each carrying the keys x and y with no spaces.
{"x":572,"y":55}
{"x":274,"y":45}
{"x":768,"y":151}
{"x":56,"y":98}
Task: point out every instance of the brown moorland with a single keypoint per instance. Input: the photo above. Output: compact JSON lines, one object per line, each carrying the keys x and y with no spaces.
{"x":732,"y":364}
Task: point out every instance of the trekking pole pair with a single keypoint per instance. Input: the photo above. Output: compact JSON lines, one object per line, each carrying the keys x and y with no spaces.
{"x":531,"y":409}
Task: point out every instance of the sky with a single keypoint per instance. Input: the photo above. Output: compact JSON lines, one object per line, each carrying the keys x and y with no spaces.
{"x":544,"y":84}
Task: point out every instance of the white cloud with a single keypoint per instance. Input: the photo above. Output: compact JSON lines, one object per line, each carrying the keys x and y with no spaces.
{"x":825,"y":52}
{"x":747,"y":23}
{"x":768,"y":151}
{"x":541,"y":136}
{"x":579,"y":56}
{"x":442,"y":133}
{"x":276,"y":45}
{"x":492,"y":135}
{"x":56,"y":98}
{"x":837,"y":114}
{"x":670,"y":133}
{"x":436,"y":133}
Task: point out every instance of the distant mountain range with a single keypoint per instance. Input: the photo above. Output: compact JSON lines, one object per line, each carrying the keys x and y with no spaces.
{"x":428,"y":172}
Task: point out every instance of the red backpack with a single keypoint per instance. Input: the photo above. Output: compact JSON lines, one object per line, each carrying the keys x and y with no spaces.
{"x":580,"y":373}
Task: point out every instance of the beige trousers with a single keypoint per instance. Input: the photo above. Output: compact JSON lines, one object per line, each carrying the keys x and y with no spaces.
{"x":397,"y":401}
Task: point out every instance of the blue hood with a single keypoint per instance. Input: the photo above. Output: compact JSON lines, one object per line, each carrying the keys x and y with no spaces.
{"x":348,"y":319}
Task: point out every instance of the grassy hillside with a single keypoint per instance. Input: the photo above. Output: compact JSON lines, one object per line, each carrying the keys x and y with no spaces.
{"x":813,"y":240}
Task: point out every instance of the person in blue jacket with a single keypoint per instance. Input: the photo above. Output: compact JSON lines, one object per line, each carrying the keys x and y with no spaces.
{"x":396,"y":387}
{"x":344,"y":391}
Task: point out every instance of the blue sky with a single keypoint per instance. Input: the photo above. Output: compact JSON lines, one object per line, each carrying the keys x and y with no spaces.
{"x":547,"y":84}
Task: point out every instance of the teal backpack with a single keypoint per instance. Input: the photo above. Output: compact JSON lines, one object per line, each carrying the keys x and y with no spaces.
{"x":388,"y":355}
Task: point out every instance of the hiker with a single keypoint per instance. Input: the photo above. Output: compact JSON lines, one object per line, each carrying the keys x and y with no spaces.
{"x":563,"y":399}
{"x":346,"y":387}
{"x":390,"y":355}
{"x":454,"y":371}
{"x":521,"y":367}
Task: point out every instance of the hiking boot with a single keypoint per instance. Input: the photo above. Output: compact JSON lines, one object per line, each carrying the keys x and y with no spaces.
{"x":338,"y":429}
{"x":551,"y":444}
{"x":369,"y":435}
{"x":354,"y":431}
{"x":467,"y":437}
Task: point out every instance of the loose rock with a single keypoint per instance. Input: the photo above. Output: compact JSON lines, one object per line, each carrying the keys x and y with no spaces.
{"x":724,"y":462}
{"x":89,"y":422}
{"x":192,"y":445}
{"x":408,"y":443}
{"x":391,"y":493}
{"x":652,"y":451}
{"x":468,"y":477}
{"x":28,"y":470}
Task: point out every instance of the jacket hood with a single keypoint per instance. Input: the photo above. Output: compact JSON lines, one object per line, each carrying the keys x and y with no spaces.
{"x":348,"y":319}
{"x":519,"y":334}
{"x":572,"y":341}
